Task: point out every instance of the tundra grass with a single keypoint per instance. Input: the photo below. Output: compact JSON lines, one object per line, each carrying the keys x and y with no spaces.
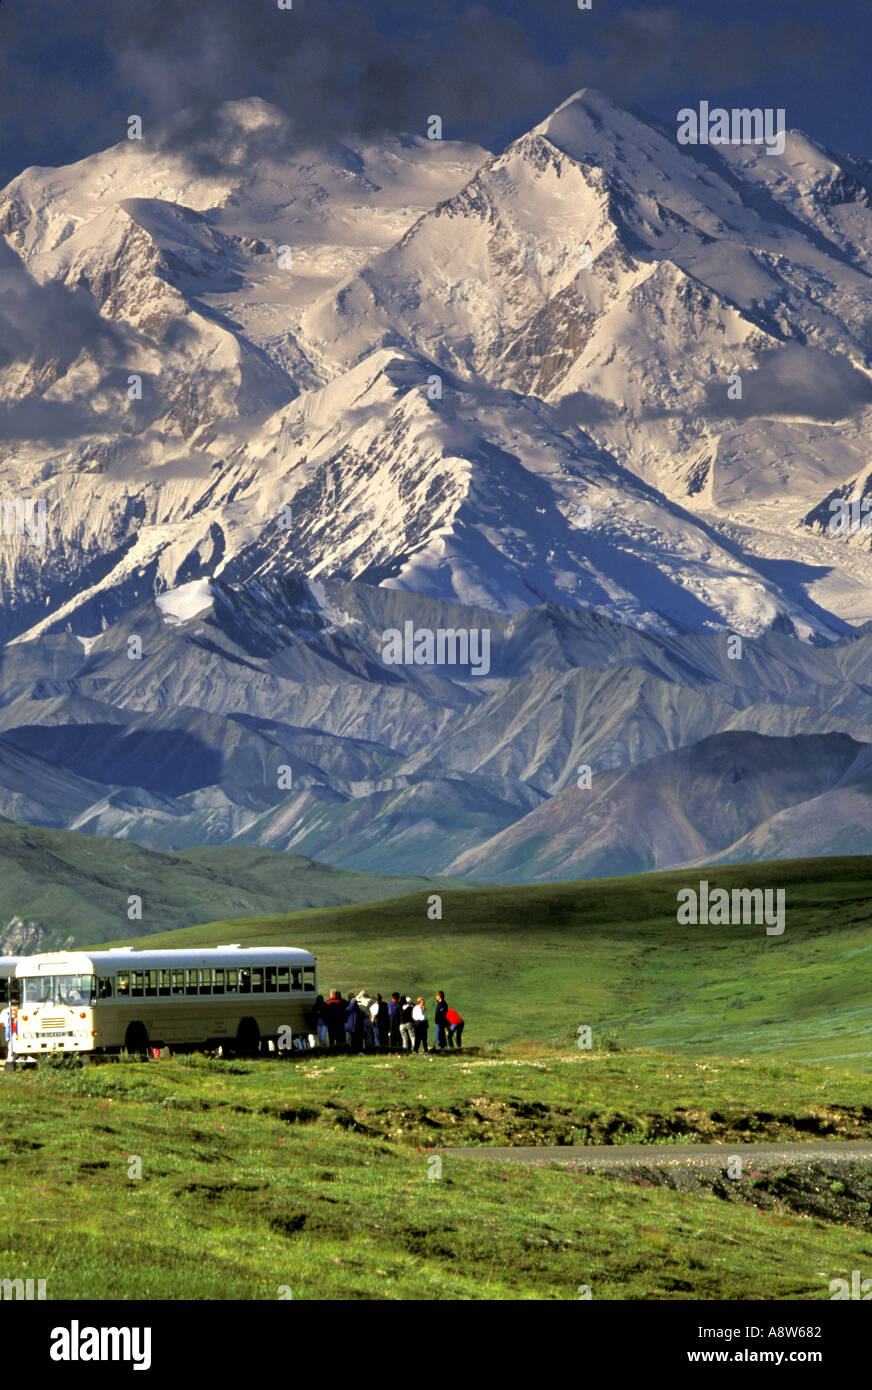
{"x":276,"y":1179}
{"x":543,"y":960}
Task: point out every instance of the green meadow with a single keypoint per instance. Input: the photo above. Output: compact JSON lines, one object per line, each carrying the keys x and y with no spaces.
{"x":320,"y":1179}
{"x":538,"y":962}
{"x":324,"y":1176}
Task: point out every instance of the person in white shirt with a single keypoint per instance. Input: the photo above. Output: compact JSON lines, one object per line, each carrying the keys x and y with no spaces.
{"x":419,"y":1020}
{"x":365,"y":1003}
{"x":9,"y":1019}
{"x":379,"y":1015}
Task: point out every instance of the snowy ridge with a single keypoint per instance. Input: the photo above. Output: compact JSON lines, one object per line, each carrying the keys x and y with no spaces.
{"x":436,"y":384}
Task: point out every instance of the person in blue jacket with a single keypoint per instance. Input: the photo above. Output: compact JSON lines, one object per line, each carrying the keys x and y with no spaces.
{"x":394,"y":1016}
{"x":353,"y":1024}
{"x":439,"y":1019}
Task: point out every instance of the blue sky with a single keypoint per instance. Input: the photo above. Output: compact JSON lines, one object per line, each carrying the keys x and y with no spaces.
{"x":72,"y":72}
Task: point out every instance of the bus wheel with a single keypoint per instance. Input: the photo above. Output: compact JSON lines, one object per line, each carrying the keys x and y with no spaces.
{"x":136,"y":1040}
{"x":248,"y":1038}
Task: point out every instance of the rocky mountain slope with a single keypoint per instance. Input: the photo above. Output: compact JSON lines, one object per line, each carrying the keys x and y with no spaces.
{"x":264,"y":714}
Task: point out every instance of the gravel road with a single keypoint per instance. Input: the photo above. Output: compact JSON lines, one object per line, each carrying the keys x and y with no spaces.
{"x":622,"y":1155}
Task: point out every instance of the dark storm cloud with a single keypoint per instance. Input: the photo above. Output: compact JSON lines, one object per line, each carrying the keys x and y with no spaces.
{"x":334,"y":72}
{"x":579,"y":408}
{"x":211,"y":143}
{"x":36,"y":319}
{"x":647,"y":51}
{"x":49,"y":326}
{"x":788,"y":381}
{"x":37,"y":420}
{"x":795,"y":381}
{"x":128,"y":462}
{"x":75,"y":72}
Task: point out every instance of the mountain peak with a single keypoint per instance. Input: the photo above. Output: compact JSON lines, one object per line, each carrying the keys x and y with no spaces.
{"x":590,"y":99}
{"x":592,"y":129}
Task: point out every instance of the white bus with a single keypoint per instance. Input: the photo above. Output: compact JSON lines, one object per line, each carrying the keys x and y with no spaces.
{"x":238,"y":998}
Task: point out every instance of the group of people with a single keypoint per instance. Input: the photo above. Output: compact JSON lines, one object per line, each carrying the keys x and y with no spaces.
{"x":365,"y":1022}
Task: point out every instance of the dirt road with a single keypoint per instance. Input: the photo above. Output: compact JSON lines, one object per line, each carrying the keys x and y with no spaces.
{"x":717,"y":1155}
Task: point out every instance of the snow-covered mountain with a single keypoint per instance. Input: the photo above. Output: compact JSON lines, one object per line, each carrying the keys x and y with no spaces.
{"x":597,"y":394}
{"x":391,"y":360}
{"x":147,"y":336}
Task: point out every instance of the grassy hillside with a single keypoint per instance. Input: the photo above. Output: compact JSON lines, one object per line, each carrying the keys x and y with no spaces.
{"x":60,"y":888}
{"x":537,"y":962}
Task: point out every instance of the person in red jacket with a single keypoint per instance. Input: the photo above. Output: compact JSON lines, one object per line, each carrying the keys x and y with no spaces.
{"x":334,"y":1017}
{"x":455,"y":1028}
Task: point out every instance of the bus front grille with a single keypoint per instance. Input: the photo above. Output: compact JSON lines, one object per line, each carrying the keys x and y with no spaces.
{"x":51,"y":1024}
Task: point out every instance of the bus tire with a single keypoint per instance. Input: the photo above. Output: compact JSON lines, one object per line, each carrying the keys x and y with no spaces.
{"x":248,"y":1038}
{"x":136,"y":1040}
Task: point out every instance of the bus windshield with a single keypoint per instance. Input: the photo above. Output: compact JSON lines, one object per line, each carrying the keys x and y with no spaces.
{"x":57,"y":989}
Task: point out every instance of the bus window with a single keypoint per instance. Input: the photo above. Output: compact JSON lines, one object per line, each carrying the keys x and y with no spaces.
{"x":231,"y":981}
{"x":151,"y":983}
{"x":245,"y":982}
{"x":137,"y":986}
{"x":205,"y":981}
{"x":218,"y":985}
{"x":73,"y":989}
{"x":309,"y":978}
{"x":178,"y":982}
{"x":284,"y":975}
{"x":104,"y":987}
{"x":123,"y":984}
{"x":190,"y":982}
{"x":270,"y":979}
{"x":163,"y":982}
{"x":296,"y":978}
{"x":257,"y":979}
{"x":37,"y":989}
